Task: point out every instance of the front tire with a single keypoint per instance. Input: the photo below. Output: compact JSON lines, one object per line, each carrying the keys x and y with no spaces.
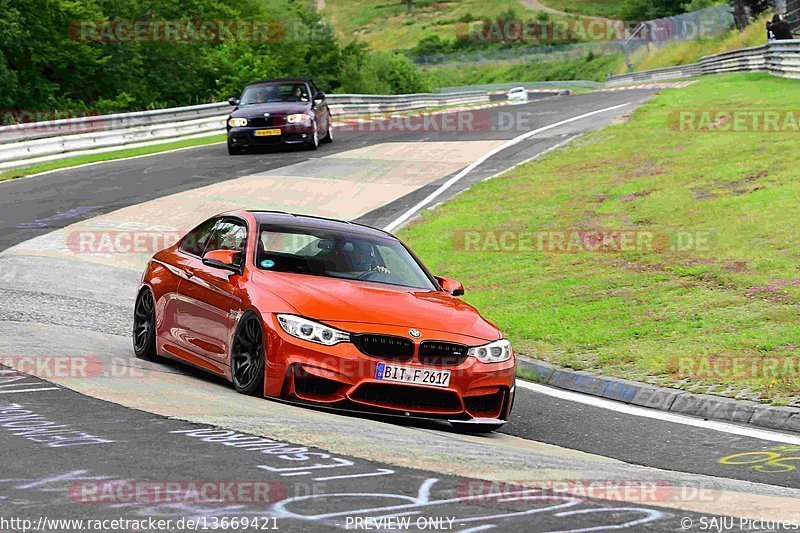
{"x":248,"y":356}
{"x":329,"y":135}
{"x":234,"y":150}
{"x":144,"y":326}
{"x":313,"y":143}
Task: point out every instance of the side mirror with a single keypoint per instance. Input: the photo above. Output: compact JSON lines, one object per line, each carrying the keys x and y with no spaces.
{"x":233,"y":101}
{"x":450,"y":285}
{"x":319,"y":98}
{"x":223,"y":259}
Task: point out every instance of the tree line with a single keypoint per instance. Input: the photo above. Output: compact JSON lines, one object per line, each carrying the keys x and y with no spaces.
{"x":66,"y":56}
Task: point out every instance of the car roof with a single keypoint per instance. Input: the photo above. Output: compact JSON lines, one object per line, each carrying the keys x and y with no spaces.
{"x":281,"y":218}
{"x":280,"y":80}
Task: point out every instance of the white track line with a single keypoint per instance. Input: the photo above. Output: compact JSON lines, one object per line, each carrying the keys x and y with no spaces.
{"x":644,"y":412}
{"x":516,"y":140}
{"x":27,"y":390}
{"x":534,"y":158}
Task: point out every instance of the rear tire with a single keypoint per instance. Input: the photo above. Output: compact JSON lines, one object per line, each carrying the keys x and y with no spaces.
{"x":144,"y":326}
{"x":248,"y":356}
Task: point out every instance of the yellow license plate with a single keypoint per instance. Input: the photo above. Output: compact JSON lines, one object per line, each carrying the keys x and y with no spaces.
{"x":267,"y":133}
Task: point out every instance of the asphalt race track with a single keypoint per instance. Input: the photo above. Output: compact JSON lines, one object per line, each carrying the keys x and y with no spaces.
{"x":115,"y":437}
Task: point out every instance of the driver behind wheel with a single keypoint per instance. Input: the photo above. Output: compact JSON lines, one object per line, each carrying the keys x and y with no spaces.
{"x":298,"y":94}
{"x":359,"y":259}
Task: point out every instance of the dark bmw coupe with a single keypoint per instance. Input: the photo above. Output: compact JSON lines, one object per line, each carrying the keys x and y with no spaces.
{"x":280,"y":111}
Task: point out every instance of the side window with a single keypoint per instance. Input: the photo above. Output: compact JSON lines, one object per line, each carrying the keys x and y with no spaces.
{"x":229,"y":235}
{"x":196,"y":240}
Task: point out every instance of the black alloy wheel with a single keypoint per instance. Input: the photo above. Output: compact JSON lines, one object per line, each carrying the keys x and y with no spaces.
{"x":247,"y":356}
{"x":144,"y":326}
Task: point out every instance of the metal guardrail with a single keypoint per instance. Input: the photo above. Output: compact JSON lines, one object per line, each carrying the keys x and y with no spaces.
{"x":780,"y":58}
{"x":346,"y":105}
{"x":339,"y":103}
{"x":22,"y":143}
{"x":530,"y":85}
{"x":67,"y":144}
{"x":53,"y":128}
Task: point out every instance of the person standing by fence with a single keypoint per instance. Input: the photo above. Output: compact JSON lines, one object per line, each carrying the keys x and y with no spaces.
{"x":778,"y":29}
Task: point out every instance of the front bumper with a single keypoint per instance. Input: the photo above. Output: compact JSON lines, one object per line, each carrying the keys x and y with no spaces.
{"x":341,"y":376}
{"x":477,"y":425}
{"x":290,"y":134}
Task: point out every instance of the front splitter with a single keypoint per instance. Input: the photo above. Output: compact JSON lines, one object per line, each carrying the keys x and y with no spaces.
{"x":478,"y":425}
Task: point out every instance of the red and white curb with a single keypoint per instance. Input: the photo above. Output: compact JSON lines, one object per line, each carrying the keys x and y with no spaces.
{"x":554,"y":90}
{"x":662,"y":85}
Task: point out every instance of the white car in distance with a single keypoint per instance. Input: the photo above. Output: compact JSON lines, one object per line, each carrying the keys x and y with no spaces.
{"x":518,"y":95}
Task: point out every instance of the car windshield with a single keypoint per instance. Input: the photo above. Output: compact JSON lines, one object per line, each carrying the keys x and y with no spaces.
{"x":274,"y":92}
{"x":334,"y":254}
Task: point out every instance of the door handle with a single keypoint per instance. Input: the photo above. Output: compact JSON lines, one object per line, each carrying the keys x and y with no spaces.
{"x":189,"y":272}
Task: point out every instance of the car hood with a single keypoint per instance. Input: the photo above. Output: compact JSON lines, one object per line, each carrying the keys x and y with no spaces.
{"x":337,"y":300}
{"x":275,"y":108}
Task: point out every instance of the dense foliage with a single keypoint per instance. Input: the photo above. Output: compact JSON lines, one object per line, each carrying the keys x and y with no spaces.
{"x":650,"y":9}
{"x":653,"y":9}
{"x":46,"y":65}
{"x":552,"y":30}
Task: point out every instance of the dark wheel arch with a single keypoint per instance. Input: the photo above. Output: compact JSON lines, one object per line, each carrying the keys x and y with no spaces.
{"x":144,"y":325}
{"x":248,"y":355}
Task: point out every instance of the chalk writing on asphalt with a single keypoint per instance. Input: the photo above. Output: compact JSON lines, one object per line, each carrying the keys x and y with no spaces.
{"x":32,"y":426}
{"x":777,"y":460}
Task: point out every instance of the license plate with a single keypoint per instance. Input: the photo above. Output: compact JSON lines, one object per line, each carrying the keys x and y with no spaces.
{"x":267,"y":133}
{"x":407,"y":374}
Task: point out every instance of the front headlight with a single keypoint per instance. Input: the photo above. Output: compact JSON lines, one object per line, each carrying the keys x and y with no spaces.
{"x":237,"y":122}
{"x":311,"y":331}
{"x":300,"y":118}
{"x":494,"y":352}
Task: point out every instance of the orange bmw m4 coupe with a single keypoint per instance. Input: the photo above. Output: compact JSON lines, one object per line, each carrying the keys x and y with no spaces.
{"x":326,"y":312}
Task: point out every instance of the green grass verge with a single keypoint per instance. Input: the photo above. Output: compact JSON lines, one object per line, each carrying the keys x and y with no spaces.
{"x":107,"y":156}
{"x":684,"y":52}
{"x":596,"y":8}
{"x":591,"y":68}
{"x":386,"y":26}
{"x":666,"y":316}
{"x":595,"y":68}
